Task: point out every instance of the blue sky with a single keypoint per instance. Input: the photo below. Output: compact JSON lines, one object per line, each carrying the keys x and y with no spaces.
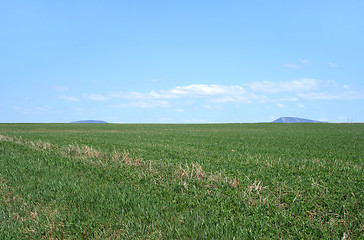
{"x":181,"y":61}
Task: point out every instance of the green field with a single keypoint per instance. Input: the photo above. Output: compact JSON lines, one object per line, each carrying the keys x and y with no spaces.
{"x":166,"y":181}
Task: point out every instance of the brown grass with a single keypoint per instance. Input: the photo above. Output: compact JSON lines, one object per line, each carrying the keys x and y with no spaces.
{"x":216,"y":177}
{"x":256,"y":187}
{"x":6,"y":138}
{"x":198,"y":171}
{"x":253,"y":194}
{"x":183,"y":172}
{"x":194,"y":172}
{"x":83,"y":152}
{"x":130,"y":161}
{"x":38,"y":145}
{"x":234,"y":183}
{"x":91,"y":152}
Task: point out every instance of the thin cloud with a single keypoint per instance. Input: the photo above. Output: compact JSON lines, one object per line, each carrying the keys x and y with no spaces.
{"x":42,"y":109}
{"x":333,"y":65}
{"x":304,"y":61}
{"x":142,"y":104}
{"x":334,"y":95}
{"x":25,"y":111}
{"x":60,"y":88}
{"x":290,"y":65}
{"x":68,"y":98}
{"x":289,"y":86}
{"x":210,"y":93}
{"x":247,"y":99}
{"x":33,"y":110}
{"x":96,"y":97}
{"x":289,"y":99}
{"x":331,"y":90}
{"x":195,"y":90}
{"x":140,"y":96}
{"x":206,"y":90}
{"x":280,"y":105}
{"x":195,"y":120}
{"x":249,"y":93}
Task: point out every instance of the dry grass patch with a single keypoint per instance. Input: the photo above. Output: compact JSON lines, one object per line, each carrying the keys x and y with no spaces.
{"x":216,"y":177}
{"x":44,"y":145}
{"x":254,"y":193}
{"x":198,"y":171}
{"x":131,"y":161}
{"x":256,"y":187}
{"x":194,"y":172}
{"x":38,"y":145}
{"x":115,"y":156}
{"x":234,"y":183}
{"x":91,"y":152}
{"x":6,"y":138}
{"x":83,"y":152}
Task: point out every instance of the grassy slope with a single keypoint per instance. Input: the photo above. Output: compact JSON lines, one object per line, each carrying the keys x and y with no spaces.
{"x":256,"y":181}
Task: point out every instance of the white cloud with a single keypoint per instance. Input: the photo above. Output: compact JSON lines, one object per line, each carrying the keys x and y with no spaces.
{"x":211,"y":93}
{"x":24,"y":111}
{"x":207,"y":90}
{"x":247,"y":98}
{"x":289,"y":65}
{"x":332,"y":95}
{"x":140,"y":96}
{"x":280,"y":105}
{"x":60,"y":88}
{"x":142,"y":104}
{"x":300,"y":105}
{"x":213,"y":107}
{"x":333,"y":65}
{"x":214,"y":93}
{"x":68,"y":98}
{"x":194,"y":120}
{"x":300,"y":85}
{"x":192,"y":91}
{"x":95,"y":97}
{"x":33,"y":110}
{"x":289,"y":99}
{"x":78,"y":109}
{"x":331,"y":90}
{"x":304,"y":61}
{"x":43,"y":108}
{"x":248,"y":93}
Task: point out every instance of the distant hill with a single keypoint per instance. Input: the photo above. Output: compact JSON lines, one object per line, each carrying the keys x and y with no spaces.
{"x":294,"y":120}
{"x":90,"y":121}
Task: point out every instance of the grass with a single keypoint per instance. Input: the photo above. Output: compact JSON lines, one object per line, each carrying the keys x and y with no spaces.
{"x":155,"y":181}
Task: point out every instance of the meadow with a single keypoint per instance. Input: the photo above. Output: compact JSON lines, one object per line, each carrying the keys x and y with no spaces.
{"x":175,"y":181}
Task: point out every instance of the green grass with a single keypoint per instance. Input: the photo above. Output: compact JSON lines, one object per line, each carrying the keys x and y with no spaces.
{"x":155,"y":181}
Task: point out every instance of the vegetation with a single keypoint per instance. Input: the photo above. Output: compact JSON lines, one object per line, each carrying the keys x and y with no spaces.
{"x":155,"y":181}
